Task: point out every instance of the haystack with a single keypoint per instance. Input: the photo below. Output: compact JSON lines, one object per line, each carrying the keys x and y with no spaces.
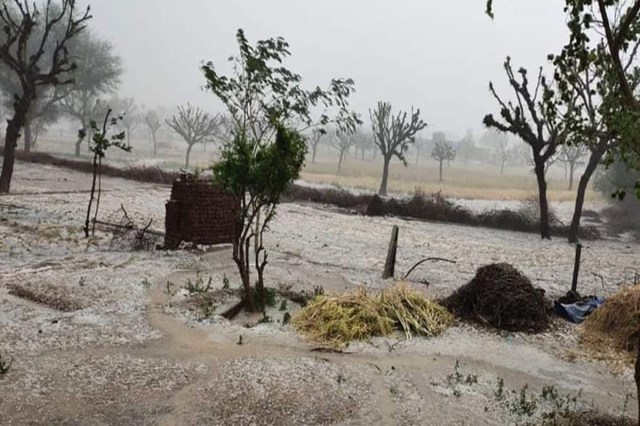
{"x":359,"y":315}
{"x":502,"y":297}
{"x":616,"y":325}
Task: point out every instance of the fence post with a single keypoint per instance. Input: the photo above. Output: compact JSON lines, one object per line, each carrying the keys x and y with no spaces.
{"x":390,"y":264}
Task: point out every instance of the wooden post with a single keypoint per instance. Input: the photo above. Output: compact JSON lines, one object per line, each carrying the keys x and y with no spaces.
{"x":390,"y":264}
{"x":576,"y":269}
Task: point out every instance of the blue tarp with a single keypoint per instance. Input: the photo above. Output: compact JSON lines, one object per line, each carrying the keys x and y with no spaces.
{"x":578,"y":311}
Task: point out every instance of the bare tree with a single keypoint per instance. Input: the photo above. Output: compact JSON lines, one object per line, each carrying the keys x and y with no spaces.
{"x":43,"y":109}
{"x":571,"y":156}
{"x":590,"y":128}
{"x":504,"y":154}
{"x":152,"y":120}
{"x":342,"y":142}
{"x":528,"y":119}
{"x":393,"y":135}
{"x":314,"y":141}
{"x":20,"y":22}
{"x":442,"y":151}
{"x":194,"y":126}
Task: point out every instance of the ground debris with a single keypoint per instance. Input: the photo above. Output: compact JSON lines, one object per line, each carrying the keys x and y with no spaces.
{"x":48,"y":296}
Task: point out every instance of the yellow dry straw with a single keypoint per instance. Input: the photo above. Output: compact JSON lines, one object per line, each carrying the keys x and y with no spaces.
{"x":358,"y":315}
{"x":616,"y":324}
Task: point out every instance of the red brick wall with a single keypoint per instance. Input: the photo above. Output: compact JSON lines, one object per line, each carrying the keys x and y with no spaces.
{"x":199,"y":213}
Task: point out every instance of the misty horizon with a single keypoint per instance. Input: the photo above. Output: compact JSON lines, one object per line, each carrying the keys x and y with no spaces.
{"x":439,"y":58}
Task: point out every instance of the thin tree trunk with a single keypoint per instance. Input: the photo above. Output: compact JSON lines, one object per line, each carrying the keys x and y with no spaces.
{"x":362,"y":154}
{"x":502,"y":168}
{"x":417,"y":155}
{"x":242,"y":261}
{"x":572,"y":169}
{"x":441,"y":162}
{"x":246,"y":283}
{"x":93,"y":189}
{"x":315,"y":151}
{"x":385,"y":177}
{"x":95,"y":216}
{"x":155,"y":145}
{"x":545,"y":229}
{"x":186,"y":163}
{"x":340,"y":162}
{"x":592,"y":165}
{"x":28,"y":137}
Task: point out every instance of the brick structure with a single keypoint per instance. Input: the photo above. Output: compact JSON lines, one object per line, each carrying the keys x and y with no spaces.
{"x":199,"y":213}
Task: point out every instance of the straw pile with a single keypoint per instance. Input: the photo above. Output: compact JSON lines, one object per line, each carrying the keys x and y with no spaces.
{"x":359,"y":315}
{"x":502,"y":297}
{"x":616,"y":324}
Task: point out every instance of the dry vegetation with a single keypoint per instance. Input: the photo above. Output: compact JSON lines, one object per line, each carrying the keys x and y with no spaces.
{"x":470,"y":181}
{"x":612,"y":332}
{"x":337,"y":320}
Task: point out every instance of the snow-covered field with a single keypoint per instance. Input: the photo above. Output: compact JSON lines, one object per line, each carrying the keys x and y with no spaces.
{"x":124,"y":358}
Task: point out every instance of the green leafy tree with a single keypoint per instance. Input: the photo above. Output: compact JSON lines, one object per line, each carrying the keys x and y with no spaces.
{"x":603,"y":35}
{"x":393,"y":135}
{"x":25,"y":25}
{"x":269,"y":110}
{"x":100,"y":143}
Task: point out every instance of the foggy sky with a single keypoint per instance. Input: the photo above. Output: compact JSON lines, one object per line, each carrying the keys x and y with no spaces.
{"x":435,"y":55}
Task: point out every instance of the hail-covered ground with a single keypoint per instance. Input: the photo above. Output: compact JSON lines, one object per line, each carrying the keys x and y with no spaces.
{"x":96,"y":334}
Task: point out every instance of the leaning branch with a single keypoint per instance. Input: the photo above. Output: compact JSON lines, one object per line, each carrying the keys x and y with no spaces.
{"x":428,"y":259}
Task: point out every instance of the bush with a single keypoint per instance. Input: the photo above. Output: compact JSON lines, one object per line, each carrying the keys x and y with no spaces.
{"x":434,"y":208}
